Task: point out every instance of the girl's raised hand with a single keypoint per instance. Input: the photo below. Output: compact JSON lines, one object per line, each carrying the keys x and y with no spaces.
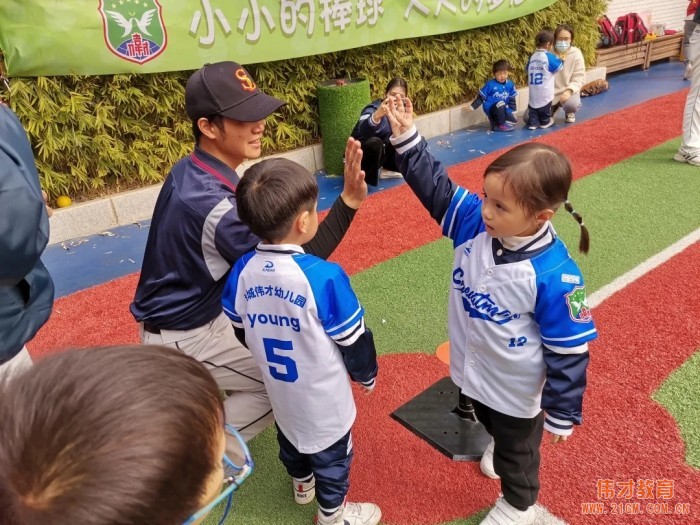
{"x":399,"y":111}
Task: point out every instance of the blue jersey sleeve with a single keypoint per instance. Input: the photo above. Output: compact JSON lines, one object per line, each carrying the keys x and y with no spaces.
{"x":423,"y":173}
{"x":463,"y":220}
{"x":512,"y":96}
{"x":342,"y":316}
{"x":561,"y":310}
{"x":566,"y":326}
{"x":228,"y":299}
{"x":555,"y":63}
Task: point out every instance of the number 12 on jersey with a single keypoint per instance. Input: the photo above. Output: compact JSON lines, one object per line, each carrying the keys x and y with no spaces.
{"x":286,"y":368}
{"x":536,"y":79}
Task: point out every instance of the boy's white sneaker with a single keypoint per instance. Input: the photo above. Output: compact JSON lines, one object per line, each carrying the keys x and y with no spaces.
{"x":486,"y":463}
{"x":503,"y":513}
{"x":570,"y":118}
{"x":352,"y":514}
{"x":549,"y":123}
{"x":304,"y":491}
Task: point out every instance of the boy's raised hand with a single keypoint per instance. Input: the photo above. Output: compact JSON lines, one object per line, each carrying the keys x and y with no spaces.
{"x":354,"y":187}
{"x":399,"y":112}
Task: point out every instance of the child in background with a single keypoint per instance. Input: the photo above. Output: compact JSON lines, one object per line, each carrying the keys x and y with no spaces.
{"x":518,"y":320}
{"x":499,"y":98}
{"x":541,"y":68}
{"x":304,"y":326}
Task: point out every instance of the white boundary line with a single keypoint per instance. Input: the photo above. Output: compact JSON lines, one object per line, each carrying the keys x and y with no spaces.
{"x":596,"y":298}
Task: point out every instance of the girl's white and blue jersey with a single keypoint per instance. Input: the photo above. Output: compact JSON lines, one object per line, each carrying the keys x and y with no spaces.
{"x":306,"y":330}
{"x":541,"y":69}
{"x":518,"y":319}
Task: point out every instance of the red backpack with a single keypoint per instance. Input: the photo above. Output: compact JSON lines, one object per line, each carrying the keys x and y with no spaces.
{"x":631,"y":28}
{"x":608,"y":35}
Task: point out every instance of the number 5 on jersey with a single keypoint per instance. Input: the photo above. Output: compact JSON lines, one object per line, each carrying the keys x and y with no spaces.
{"x":282,"y":367}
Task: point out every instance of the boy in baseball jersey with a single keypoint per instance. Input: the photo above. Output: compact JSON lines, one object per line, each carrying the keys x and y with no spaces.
{"x":499,"y":98}
{"x":304,"y":326}
{"x":541,"y":68}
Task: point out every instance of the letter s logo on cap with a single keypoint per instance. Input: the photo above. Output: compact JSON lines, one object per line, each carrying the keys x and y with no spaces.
{"x":246,"y":82}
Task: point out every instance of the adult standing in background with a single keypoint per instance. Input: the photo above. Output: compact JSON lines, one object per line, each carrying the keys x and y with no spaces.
{"x":690,"y":148}
{"x":196,"y":236}
{"x":26,"y":288}
{"x":687,"y":32}
{"x":570,"y":79}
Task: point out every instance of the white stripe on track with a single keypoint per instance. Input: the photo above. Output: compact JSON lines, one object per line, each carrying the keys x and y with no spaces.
{"x":638,"y":271}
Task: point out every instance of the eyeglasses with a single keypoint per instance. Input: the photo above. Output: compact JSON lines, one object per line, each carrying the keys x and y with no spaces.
{"x":234,"y":476}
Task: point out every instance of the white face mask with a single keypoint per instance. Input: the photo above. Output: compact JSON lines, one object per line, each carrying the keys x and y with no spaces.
{"x":562,"y":45}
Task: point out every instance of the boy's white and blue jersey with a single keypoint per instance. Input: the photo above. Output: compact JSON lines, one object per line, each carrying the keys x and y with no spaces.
{"x":518,"y":319}
{"x":494,"y":92}
{"x":306,"y":330}
{"x":541,"y":69}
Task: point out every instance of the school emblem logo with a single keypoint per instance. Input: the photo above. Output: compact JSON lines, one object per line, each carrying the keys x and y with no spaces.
{"x":578,"y":308}
{"x":134,"y":29}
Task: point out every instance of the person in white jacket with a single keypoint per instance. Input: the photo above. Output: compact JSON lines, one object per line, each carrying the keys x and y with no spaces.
{"x":569,"y":80}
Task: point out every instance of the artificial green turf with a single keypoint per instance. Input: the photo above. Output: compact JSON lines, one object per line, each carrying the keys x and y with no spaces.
{"x":679,"y":395}
{"x":633,"y":209}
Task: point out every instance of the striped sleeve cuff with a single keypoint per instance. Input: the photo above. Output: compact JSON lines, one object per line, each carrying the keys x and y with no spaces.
{"x":556,"y":426}
{"x":368,"y":384}
{"x":348,"y":332}
{"x":408,"y":140}
{"x":570,"y":342}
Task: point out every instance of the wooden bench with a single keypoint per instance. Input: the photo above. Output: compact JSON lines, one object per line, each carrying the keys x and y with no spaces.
{"x":620,"y":57}
{"x":668,"y":46}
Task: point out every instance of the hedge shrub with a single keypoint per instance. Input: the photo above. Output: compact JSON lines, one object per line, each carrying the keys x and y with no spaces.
{"x":94,"y":135}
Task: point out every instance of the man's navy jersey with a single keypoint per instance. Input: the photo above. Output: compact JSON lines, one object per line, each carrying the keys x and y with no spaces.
{"x":195,"y":232}
{"x":494,"y":92}
{"x":541,"y":69}
{"x":300,"y":314}
{"x":518,"y":319}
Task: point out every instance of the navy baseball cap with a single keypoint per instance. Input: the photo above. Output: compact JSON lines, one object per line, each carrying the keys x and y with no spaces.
{"x":227,"y":89}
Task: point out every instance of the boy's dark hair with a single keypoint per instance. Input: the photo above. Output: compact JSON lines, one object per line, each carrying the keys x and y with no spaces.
{"x":108,"y":436}
{"x":564,"y":27}
{"x":544,"y":37}
{"x":397,"y":82}
{"x":501,"y":65}
{"x":540,"y":178}
{"x":214,"y":120}
{"x":272,"y":193}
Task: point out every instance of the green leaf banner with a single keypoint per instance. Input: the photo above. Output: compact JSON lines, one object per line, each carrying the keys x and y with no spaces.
{"x":99,"y":37}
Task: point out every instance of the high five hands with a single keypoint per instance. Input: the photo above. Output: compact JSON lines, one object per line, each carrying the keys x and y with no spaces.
{"x":354,"y":185}
{"x":399,"y":112}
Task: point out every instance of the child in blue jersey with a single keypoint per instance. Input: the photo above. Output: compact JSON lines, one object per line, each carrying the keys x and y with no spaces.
{"x":303,"y":324}
{"x":541,"y":68}
{"x":518,"y":320}
{"x":499,"y":98}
